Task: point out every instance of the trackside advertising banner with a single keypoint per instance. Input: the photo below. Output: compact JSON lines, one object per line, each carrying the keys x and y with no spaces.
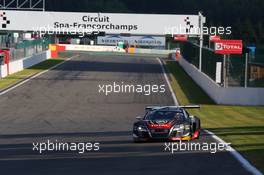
{"x":112,"y":23}
{"x":132,"y":40}
{"x":229,"y":47}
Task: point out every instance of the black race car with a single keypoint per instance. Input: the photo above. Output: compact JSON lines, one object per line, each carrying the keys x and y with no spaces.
{"x":167,"y":122}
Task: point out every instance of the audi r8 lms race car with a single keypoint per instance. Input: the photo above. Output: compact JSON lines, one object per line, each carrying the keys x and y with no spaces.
{"x":167,"y":122}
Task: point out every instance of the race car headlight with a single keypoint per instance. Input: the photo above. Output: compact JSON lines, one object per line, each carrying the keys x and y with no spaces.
{"x":178,"y":127}
{"x":141,"y":128}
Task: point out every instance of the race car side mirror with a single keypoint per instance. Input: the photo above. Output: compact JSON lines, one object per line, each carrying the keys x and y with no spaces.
{"x":139,"y":118}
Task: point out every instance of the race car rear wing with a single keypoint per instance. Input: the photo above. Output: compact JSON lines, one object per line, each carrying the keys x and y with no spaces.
{"x":149,"y":108}
{"x":190,"y":106}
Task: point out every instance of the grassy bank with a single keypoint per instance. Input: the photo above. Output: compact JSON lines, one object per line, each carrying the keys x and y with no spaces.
{"x":241,"y":125}
{"x":19,"y":76}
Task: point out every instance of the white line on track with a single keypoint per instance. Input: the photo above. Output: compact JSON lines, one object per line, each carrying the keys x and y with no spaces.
{"x":245,"y":163}
{"x":167,"y":80}
{"x":38,"y":74}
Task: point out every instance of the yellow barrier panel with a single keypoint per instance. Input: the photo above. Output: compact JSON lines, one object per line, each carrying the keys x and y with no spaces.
{"x":52,"y":47}
{"x":131,"y":50}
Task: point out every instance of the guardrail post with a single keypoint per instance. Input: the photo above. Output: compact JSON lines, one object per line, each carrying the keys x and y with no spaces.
{"x":25,"y":52}
{"x":227,"y":70}
{"x":201,"y":40}
{"x":246,"y":71}
{"x":224,"y":70}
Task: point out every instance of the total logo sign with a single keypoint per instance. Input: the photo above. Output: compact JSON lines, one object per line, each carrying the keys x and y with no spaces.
{"x":228,"y":47}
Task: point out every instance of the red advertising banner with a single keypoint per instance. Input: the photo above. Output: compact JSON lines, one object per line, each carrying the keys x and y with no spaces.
{"x":228,"y":47}
{"x":180,"y":37}
{"x":214,"y":38}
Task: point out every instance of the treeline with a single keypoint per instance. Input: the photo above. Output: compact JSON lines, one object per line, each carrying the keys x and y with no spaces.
{"x":246,"y":17}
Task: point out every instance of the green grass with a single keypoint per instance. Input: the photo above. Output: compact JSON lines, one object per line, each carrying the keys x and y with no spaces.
{"x":243,"y":126}
{"x":15,"y":78}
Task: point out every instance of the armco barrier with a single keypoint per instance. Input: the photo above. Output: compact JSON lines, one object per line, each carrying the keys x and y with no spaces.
{"x":98,"y":48}
{"x":18,"y":65}
{"x":153,"y":51}
{"x":221,"y":95}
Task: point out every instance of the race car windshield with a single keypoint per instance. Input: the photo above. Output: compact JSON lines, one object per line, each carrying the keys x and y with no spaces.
{"x":165,"y":115}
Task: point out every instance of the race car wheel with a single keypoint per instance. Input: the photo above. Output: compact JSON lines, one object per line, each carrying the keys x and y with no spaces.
{"x":136,"y":140}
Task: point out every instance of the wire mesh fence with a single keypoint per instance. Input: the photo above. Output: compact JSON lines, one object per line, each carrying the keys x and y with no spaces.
{"x":20,"y":48}
{"x":235,"y":64}
{"x":28,"y":48}
{"x":256,"y":63}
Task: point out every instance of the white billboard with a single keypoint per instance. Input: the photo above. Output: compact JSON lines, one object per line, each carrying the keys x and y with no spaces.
{"x":218,"y":72}
{"x":111,"y":23}
{"x":147,"y":40}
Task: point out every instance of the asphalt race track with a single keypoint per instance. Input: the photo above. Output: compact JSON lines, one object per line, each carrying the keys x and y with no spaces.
{"x":64,"y":105}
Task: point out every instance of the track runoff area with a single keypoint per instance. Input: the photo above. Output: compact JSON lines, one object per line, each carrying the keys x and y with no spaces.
{"x":63,"y":122}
